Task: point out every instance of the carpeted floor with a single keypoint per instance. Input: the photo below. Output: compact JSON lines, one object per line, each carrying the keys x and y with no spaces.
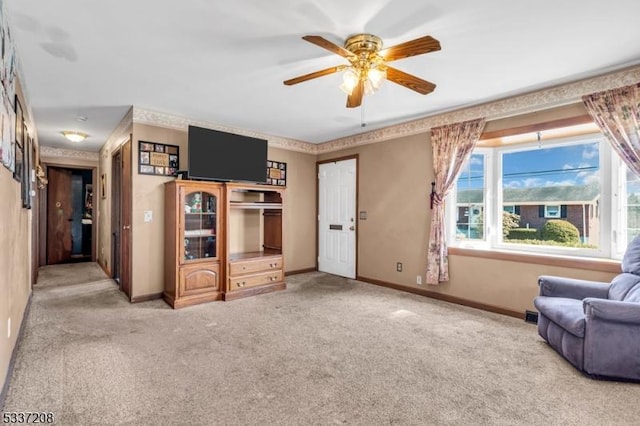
{"x":326,"y":351}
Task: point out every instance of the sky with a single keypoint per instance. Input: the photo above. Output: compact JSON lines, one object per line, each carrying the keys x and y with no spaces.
{"x":565,"y":165}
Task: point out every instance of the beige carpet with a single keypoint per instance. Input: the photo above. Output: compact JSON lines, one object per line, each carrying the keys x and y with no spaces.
{"x":325,"y":351}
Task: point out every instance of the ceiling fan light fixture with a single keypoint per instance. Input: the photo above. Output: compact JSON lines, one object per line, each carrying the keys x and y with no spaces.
{"x":74,"y":136}
{"x":376,"y":76}
{"x":350,"y":79}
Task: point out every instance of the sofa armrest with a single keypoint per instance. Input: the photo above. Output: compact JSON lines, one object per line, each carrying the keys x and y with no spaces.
{"x":572,"y":288}
{"x":612,"y":310}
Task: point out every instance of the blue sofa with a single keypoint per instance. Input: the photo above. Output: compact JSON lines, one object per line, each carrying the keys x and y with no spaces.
{"x":595,"y":325}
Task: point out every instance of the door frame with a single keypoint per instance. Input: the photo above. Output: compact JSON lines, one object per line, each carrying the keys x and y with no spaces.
{"x":121,"y":203}
{"x":43,"y":211}
{"x":357,"y":212}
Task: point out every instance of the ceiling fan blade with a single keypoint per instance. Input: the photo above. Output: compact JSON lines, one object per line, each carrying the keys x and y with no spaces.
{"x":410,"y":81}
{"x":355,"y":98}
{"x":326,"y":44}
{"x":415,"y":47}
{"x":313,"y":75}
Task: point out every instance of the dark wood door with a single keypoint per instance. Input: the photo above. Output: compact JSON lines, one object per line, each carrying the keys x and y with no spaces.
{"x":59,"y":216}
{"x":125,"y":204}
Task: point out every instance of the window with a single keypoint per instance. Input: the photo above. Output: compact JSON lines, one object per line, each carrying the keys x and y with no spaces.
{"x":552,"y":211}
{"x":569,"y":196}
{"x":470,"y":200}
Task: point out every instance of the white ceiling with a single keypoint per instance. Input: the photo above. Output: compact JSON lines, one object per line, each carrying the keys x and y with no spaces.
{"x":224,"y":62}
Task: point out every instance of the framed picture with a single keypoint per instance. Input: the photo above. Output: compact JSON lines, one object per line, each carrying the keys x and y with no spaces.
{"x":8,"y":131}
{"x":103,"y":186}
{"x":19,"y":162}
{"x":26,"y":175}
{"x":19,"y":142}
{"x":276,"y":173}
{"x":19,"y":120}
{"x":158,"y":159}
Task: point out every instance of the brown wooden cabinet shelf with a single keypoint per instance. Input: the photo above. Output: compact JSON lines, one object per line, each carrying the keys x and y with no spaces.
{"x":255,"y":205}
{"x":255,"y":264}
{"x":234,"y":254}
{"x":193,"y":261}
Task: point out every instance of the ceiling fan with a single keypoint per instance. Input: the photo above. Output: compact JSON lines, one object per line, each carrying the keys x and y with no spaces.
{"x":368,"y":67}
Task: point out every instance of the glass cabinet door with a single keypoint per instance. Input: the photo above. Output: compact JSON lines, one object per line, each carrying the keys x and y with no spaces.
{"x":200,"y":225}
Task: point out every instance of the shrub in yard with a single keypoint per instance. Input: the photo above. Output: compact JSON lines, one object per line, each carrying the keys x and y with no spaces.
{"x":561,"y":231}
{"x":523,"y":234}
{"x":509,"y":221}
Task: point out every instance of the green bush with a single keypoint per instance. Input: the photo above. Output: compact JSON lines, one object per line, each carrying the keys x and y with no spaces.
{"x":560,"y":231}
{"x":509,"y":221}
{"x":523,"y":234}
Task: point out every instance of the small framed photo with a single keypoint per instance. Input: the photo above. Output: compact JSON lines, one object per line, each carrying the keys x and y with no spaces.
{"x":147,"y":170}
{"x":144,"y":157}
{"x":159,"y":147}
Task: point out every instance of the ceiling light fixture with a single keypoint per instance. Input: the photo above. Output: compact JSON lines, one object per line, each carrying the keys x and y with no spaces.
{"x":74,"y":136}
{"x":366,"y":65}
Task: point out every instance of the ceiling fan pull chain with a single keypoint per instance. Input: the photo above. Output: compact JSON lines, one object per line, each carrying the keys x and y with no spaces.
{"x":362,"y":122}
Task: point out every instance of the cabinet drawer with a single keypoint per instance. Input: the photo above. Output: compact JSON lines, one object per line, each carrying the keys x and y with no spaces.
{"x":198,"y":279}
{"x":251,"y":266}
{"x":238,"y":283}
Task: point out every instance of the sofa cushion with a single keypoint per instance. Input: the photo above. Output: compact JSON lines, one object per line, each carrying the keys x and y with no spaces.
{"x":633,"y":295}
{"x":631,"y":260}
{"x":567,"y":313}
{"x":622,"y":285}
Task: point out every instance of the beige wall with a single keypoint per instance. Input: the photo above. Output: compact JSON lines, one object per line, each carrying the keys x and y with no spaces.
{"x":148,"y":194}
{"x":394,"y":185}
{"x":15,"y":258}
{"x":300,"y":209}
{"x":15,"y":264}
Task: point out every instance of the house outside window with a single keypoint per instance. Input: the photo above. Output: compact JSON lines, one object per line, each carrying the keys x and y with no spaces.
{"x":577,"y":181}
{"x":552,"y":211}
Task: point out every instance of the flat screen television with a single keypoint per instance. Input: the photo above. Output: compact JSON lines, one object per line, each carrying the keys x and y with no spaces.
{"x":222,"y":156}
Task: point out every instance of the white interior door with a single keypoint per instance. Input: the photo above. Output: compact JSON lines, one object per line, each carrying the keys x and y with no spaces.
{"x":337,"y":218}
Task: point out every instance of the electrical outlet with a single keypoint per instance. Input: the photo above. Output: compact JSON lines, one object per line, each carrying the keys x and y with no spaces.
{"x":419,"y":279}
{"x":399,"y":267}
{"x":9,"y":328}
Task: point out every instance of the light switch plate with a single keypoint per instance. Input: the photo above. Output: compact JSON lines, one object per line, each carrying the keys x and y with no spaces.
{"x":148,"y":215}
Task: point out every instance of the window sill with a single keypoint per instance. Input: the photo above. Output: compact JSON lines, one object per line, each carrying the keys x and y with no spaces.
{"x":592,"y":264}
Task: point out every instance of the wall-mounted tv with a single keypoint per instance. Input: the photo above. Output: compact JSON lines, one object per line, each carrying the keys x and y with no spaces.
{"x":221,"y":156}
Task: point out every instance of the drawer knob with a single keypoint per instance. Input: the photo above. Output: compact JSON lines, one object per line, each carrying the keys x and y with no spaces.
{"x":274,"y":278}
{"x":241,"y":284}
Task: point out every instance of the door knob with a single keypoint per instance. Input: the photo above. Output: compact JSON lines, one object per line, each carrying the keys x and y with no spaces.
{"x":126,"y":227}
{"x":352,"y":228}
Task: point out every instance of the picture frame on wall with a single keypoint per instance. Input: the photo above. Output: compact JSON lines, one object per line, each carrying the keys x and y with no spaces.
{"x":158,"y":159}
{"x":19,"y":162}
{"x":276,"y":173}
{"x":18,"y":148}
{"x":19,"y":121}
{"x":7,"y":126}
{"x":26,"y":176}
{"x":103,"y":186}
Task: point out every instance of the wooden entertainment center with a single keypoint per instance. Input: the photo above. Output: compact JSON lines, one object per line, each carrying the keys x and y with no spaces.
{"x":223,"y":241}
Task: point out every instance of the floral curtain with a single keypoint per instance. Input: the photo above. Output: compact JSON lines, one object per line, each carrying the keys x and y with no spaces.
{"x":452,"y":146}
{"x":617,"y":113}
